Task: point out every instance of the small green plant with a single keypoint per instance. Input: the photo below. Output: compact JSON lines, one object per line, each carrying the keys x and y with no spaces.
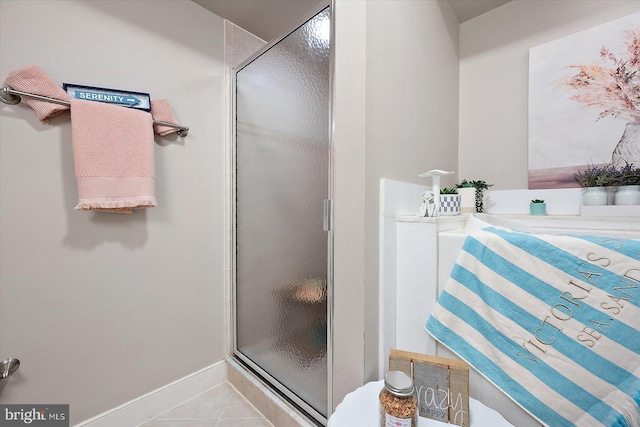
{"x":480,"y":186}
{"x":446,"y":190}
{"x":464,"y":184}
{"x":537,"y":201}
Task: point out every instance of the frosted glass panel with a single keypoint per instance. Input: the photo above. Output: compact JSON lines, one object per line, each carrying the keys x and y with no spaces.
{"x":282,"y":147}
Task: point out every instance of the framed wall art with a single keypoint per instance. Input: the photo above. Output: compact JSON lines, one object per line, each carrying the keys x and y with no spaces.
{"x":584,"y":103}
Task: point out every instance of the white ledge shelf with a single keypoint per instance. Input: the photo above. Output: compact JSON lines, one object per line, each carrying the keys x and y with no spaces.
{"x":436,"y":219}
{"x":598,"y":223}
{"x":632,"y":211}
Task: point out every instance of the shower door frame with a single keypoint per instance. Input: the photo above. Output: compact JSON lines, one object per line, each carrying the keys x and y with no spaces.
{"x":328,"y":223}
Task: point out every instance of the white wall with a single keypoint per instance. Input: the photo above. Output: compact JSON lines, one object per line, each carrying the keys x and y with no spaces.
{"x":494,"y":79}
{"x":102,"y":308}
{"x":411,"y":117}
{"x":347,"y":302}
{"x":396,"y":116}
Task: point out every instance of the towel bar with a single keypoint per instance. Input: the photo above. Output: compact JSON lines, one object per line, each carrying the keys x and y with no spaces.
{"x":12,"y":96}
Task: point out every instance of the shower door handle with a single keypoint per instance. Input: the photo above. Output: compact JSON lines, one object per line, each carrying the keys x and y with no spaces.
{"x":327,"y":207}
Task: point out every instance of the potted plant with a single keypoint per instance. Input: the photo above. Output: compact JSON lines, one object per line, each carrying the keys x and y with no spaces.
{"x":449,"y":201}
{"x":472,"y":195}
{"x":467,"y":193}
{"x":629,"y":185}
{"x":592,"y":179}
{"x":609,"y":178}
{"x":538,"y":207}
{"x":480,"y":186}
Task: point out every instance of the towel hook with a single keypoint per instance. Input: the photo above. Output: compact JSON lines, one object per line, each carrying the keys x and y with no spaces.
{"x":8,"y":367}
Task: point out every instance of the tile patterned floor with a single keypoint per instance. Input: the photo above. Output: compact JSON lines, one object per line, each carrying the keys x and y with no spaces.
{"x":221,"y":406}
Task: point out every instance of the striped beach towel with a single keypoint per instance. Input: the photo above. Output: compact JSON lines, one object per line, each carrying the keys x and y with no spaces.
{"x":551,"y":320}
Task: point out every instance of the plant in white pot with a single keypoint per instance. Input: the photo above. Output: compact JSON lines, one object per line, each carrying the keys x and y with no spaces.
{"x":472,"y":195}
{"x":467,"y":193}
{"x":480,"y":186}
{"x":609,"y":178}
{"x":449,"y":201}
{"x":629,"y":185}
{"x":592,"y":179}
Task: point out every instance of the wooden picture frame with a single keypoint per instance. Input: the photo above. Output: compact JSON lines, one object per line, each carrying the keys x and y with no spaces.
{"x":442,"y":385}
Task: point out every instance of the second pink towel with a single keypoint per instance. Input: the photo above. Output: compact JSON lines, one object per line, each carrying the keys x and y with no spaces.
{"x":113,"y":154}
{"x":33,"y":79}
{"x":161,"y":111}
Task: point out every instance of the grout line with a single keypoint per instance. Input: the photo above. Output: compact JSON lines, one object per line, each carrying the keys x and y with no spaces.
{"x":157,"y":417}
{"x":239,"y":396}
{"x":249,"y":402}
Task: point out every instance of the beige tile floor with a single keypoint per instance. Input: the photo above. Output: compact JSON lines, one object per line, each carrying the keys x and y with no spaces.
{"x":221,"y":406}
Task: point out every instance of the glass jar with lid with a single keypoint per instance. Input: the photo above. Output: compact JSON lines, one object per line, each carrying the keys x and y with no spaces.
{"x":398,"y":401}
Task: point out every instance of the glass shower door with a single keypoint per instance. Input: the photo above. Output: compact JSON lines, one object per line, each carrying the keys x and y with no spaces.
{"x":282,"y":99}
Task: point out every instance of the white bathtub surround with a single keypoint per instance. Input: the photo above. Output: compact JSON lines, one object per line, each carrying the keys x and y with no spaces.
{"x":399,"y":202}
{"x":415,"y":285}
{"x":417,"y":254}
{"x":560,"y":202}
{"x":423,"y":263}
{"x":622,"y":227}
{"x":563,"y":201}
{"x":426,"y":250}
{"x":396,"y":198}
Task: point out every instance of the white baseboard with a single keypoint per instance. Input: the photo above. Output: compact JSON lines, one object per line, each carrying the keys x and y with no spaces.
{"x":150,"y":405}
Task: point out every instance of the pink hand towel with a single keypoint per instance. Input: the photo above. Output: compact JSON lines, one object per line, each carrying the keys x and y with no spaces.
{"x":113,"y":156}
{"x":161,"y":111}
{"x":32,"y":79}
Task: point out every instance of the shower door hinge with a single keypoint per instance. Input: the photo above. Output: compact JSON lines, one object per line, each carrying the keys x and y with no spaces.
{"x":327,"y":223}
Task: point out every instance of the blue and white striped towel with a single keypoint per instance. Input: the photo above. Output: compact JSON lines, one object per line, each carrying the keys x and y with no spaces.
{"x":553,"y":321}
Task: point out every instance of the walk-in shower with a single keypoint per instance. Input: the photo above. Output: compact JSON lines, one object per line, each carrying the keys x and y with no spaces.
{"x":282,"y":214}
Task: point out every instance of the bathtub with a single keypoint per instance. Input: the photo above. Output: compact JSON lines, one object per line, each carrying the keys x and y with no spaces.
{"x":426,"y":250}
{"x":416,"y":256}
